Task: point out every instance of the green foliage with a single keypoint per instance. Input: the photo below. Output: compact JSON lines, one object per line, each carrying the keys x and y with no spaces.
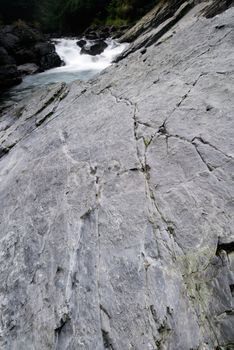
{"x":20,"y":24}
{"x":73,"y":15}
{"x":129,"y":10}
{"x":121,"y":12}
{"x":117,"y":22}
{"x":47,"y":14}
{"x":120,"y":9}
{"x":11,"y":10}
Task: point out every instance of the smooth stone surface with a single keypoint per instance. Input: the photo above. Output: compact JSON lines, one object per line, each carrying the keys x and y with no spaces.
{"x":116,"y":210}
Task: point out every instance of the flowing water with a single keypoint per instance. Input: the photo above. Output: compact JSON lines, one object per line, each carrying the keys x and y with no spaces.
{"x":76,"y":66}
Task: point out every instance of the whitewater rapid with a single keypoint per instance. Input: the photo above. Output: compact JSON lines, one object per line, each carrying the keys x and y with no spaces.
{"x":76,"y":66}
{"x":69,"y":52}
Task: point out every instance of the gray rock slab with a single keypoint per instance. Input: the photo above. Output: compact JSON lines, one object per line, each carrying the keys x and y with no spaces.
{"x":116,"y":203}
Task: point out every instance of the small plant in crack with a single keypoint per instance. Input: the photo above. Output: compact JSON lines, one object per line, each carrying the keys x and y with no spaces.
{"x":147,"y":141}
{"x":146,"y":169}
{"x":19,"y":112}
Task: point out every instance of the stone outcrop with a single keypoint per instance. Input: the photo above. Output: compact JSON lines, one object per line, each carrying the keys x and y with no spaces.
{"x":163,"y":18}
{"x":116,"y":211}
{"x":162,"y":13}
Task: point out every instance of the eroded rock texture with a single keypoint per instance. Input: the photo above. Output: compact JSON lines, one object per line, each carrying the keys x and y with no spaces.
{"x":116,"y":215}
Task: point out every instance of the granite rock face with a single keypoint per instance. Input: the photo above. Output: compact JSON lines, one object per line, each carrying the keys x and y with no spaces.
{"x":116,"y":210}
{"x":163,"y":17}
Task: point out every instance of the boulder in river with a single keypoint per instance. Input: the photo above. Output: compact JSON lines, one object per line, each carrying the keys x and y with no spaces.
{"x":81,"y":43}
{"x":44,"y":48}
{"x":49,"y":61}
{"x":47,"y":56}
{"x":94,"y":48}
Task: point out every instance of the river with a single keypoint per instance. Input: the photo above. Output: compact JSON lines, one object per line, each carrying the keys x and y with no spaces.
{"x":76,"y":66}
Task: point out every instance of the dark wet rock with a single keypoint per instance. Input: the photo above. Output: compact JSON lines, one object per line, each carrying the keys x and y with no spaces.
{"x":105,"y":32}
{"x":28,"y":69}
{"x":81,"y":43}
{"x":47,"y":56}
{"x":43,"y":49}
{"x":102,"y":33}
{"x":5,"y":58}
{"x":22,"y":45}
{"x":9,"y":76}
{"x":9,"y":41}
{"x":113,"y":29}
{"x":91,"y":36}
{"x":27,"y":35}
{"x":49,"y":61}
{"x":95,"y":48}
{"x":25,"y":55}
{"x":106,"y":29}
{"x":117,"y":34}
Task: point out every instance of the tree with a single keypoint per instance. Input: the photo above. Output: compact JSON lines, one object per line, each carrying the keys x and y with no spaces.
{"x":73,"y":15}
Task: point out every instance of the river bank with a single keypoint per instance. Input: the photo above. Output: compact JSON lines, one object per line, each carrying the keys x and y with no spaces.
{"x":24,"y":50}
{"x":76,"y":65}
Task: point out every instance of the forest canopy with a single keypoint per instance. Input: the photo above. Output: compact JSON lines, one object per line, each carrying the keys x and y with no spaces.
{"x":73,"y":15}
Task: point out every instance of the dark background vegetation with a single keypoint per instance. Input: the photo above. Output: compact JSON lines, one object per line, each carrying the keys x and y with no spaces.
{"x":73,"y":15}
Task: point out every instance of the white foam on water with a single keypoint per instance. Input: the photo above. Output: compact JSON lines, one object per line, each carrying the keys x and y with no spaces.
{"x":77,"y":66}
{"x":69,"y":52}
